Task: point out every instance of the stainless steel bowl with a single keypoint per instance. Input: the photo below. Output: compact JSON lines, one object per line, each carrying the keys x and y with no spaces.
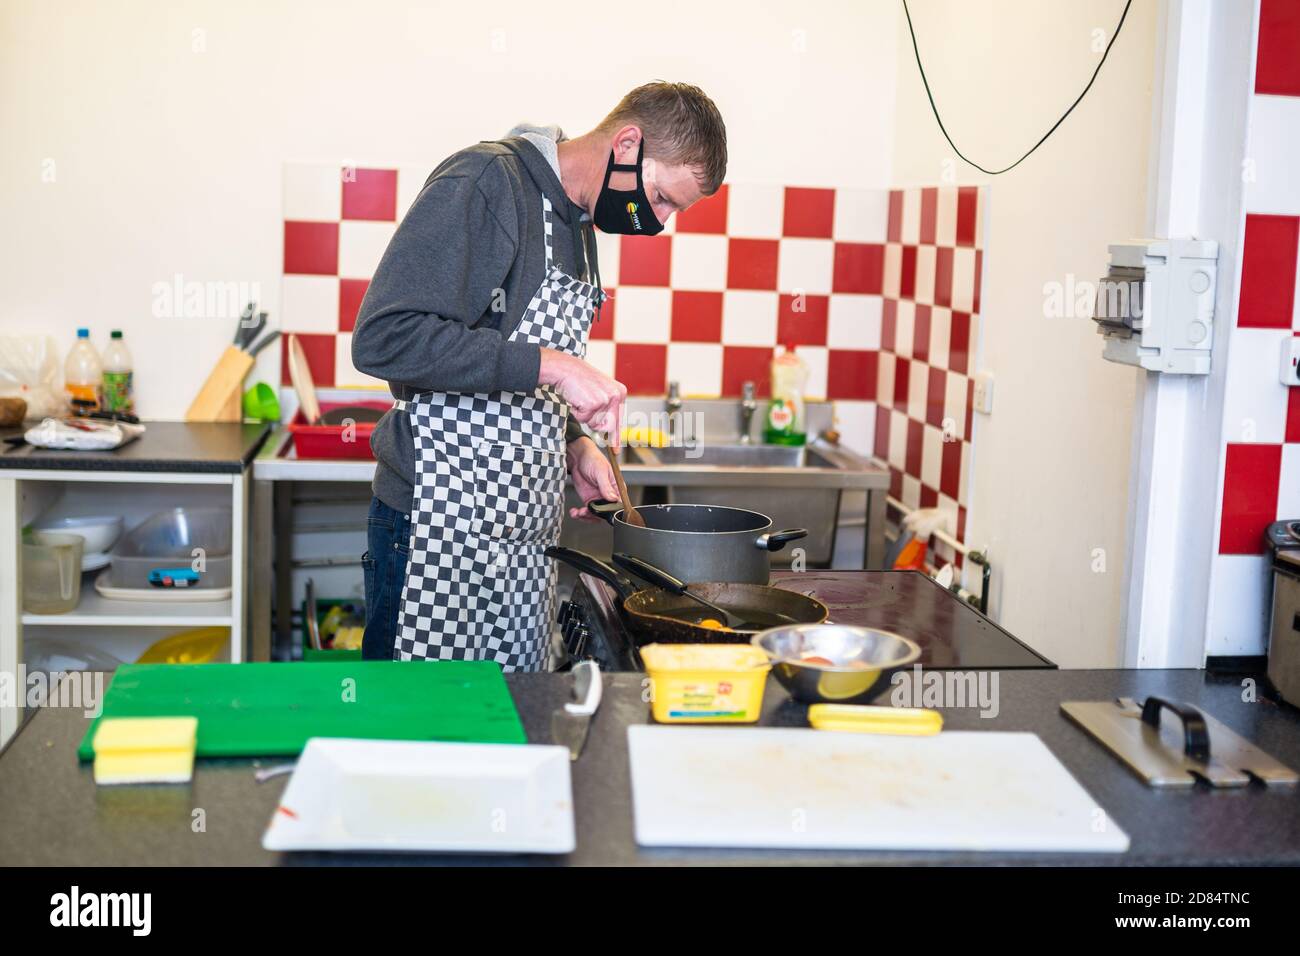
{"x":861,"y":660}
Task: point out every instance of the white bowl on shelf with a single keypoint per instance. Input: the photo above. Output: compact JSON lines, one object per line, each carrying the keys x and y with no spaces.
{"x":100,"y":531}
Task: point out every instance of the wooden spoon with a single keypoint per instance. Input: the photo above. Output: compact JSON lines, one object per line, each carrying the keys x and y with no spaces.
{"x":630,"y":514}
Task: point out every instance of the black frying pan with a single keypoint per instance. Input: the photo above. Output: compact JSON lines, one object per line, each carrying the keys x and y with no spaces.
{"x":655,"y":614}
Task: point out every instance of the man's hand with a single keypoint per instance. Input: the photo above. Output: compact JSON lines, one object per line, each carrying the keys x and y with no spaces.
{"x":593,"y":478}
{"x":595,"y":399}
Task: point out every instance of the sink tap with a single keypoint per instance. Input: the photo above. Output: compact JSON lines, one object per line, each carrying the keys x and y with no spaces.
{"x":673,"y":405}
{"x":748,"y":406}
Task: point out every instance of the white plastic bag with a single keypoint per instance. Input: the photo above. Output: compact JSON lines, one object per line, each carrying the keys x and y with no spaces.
{"x":29,"y":369}
{"x":82,"y":434}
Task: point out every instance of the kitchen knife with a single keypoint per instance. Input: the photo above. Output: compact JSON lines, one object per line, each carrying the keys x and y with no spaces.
{"x":252,"y":331}
{"x":271,"y":337}
{"x":245,"y":320}
{"x":570,"y":723}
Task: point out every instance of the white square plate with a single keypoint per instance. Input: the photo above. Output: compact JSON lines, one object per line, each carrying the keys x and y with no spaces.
{"x":395,"y":795}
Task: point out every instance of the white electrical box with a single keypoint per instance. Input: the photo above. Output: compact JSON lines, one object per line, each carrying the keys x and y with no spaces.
{"x":1155,"y":305}
{"x":1291,"y":360}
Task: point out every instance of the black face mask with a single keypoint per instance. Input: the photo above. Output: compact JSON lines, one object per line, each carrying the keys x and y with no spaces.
{"x":626,"y":211}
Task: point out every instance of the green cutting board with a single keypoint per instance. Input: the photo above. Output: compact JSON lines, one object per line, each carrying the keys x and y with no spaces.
{"x":249,"y":710}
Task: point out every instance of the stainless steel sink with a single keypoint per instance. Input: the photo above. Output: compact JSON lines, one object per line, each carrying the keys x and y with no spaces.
{"x":798,"y":487}
{"x":730,"y":456}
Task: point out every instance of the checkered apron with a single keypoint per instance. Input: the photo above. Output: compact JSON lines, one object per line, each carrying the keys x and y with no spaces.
{"x":489,"y":498}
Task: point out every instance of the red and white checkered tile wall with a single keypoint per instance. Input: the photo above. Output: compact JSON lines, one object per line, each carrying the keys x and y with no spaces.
{"x":703,"y":304}
{"x":877,"y":290}
{"x":1261,"y":478}
{"x":933,"y":260}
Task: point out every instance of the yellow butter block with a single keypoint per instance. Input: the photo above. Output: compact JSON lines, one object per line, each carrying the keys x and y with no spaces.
{"x":862,"y":719}
{"x":145,"y":749}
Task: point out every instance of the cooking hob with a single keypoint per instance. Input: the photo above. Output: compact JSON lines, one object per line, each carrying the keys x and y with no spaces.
{"x":951,"y":633}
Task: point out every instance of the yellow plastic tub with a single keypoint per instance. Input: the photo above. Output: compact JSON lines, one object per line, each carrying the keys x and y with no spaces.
{"x":706,"y":683}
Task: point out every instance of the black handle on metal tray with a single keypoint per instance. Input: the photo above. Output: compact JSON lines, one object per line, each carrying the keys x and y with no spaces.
{"x":1195,"y":732}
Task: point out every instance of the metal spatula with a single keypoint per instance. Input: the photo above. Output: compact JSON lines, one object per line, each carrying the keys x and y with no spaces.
{"x":662,"y":579}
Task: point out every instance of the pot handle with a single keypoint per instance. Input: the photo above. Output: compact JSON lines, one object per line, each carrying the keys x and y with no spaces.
{"x":604,"y":510}
{"x":649,"y":573}
{"x":776,"y":540}
{"x":595,"y":567}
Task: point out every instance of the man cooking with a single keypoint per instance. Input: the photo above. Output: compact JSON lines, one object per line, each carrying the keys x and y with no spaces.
{"x":477,"y":317}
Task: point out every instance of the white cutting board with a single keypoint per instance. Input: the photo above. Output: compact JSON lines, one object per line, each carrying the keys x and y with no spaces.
{"x":776,"y":787}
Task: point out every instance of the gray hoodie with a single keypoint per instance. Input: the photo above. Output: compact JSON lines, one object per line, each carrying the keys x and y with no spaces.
{"x":455,"y":281}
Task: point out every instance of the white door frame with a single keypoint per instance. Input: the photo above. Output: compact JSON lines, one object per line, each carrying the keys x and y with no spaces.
{"x":1202,"y":93}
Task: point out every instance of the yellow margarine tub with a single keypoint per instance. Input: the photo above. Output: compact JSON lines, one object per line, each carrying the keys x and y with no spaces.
{"x":706,"y":683}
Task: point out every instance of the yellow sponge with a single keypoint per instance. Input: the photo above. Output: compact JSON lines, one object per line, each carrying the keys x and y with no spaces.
{"x":145,"y":749}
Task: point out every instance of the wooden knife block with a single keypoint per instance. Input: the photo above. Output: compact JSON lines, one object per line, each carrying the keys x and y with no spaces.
{"x":221,"y":397}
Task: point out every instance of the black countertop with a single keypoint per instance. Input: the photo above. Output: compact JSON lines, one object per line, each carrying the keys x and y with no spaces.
{"x":217,"y":447}
{"x":53,"y":813}
{"x":951,"y":633}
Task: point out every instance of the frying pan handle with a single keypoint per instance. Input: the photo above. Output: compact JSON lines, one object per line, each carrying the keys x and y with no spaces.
{"x":595,"y":567}
{"x":776,"y":540}
{"x":604,"y":510}
{"x":649,"y":573}
{"x":1195,"y":733}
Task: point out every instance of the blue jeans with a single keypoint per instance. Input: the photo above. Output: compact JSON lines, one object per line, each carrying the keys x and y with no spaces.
{"x":388,"y":539}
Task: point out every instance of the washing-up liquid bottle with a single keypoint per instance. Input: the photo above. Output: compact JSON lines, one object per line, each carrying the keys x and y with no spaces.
{"x":785,"y":414}
{"x":119,"y":379}
{"x":83,"y":375}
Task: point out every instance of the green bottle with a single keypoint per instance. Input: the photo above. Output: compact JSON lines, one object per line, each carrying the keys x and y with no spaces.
{"x":119,"y":379}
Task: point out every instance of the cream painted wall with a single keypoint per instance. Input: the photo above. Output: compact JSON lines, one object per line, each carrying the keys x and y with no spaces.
{"x":167,"y":161}
{"x":166,"y":125}
{"x":1051,"y":464}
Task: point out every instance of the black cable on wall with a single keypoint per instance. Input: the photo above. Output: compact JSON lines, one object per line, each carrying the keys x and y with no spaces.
{"x":935,"y":109}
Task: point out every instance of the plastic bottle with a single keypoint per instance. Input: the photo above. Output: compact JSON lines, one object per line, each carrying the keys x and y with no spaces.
{"x":785,"y":414}
{"x":119,"y":379}
{"x":83,"y":375}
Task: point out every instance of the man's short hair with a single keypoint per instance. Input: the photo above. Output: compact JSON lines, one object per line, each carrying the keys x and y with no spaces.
{"x":681,"y":126}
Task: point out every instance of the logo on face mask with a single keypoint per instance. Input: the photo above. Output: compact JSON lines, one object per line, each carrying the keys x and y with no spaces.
{"x":636,"y":220}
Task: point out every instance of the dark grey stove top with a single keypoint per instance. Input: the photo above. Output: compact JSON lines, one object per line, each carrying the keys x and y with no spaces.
{"x":951,"y":633}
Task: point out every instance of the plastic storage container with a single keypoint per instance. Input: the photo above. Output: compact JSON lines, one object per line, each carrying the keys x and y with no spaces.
{"x":53,"y":655}
{"x":202,"y":645}
{"x":168,"y":540}
{"x":706,"y":683}
{"x":332,"y":441}
{"x":52,"y":572}
{"x":323,"y":608}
